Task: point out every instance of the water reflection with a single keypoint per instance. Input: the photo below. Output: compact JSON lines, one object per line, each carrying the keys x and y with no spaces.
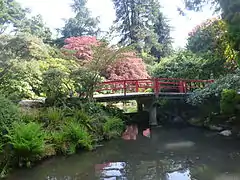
{"x":147,"y":170}
{"x":179,"y":145}
{"x":179,"y":175}
{"x":111,"y":171}
{"x":131,"y":133}
{"x":147,"y":133}
{"x":149,"y":154}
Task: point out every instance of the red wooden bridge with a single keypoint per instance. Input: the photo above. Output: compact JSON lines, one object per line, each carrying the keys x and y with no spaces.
{"x":132,"y":89}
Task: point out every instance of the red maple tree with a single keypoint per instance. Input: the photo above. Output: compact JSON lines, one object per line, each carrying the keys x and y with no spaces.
{"x":81,"y":46}
{"x":128,"y":67}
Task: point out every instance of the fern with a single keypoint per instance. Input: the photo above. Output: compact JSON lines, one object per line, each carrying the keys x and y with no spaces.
{"x":113,"y":127}
{"x":27,"y":140}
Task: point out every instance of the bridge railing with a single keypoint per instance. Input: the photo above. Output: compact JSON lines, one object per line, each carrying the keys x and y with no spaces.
{"x":154,"y":85}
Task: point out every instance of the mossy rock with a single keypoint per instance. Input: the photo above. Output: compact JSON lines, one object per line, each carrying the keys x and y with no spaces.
{"x":196,"y":122}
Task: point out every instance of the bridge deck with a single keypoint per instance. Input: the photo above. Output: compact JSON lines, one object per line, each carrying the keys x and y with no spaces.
{"x":134,"y":96}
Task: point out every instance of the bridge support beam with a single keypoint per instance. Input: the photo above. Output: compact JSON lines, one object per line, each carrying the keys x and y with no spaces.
{"x":150,"y":106}
{"x":153,"y":116}
{"x":139,"y":106}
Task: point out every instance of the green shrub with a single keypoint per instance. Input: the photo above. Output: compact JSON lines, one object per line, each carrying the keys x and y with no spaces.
{"x":181,"y":64}
{"x":131,"y":109}
{"x":78,"y":136}
{"x":59,"y":142}
{"x":56,"y":86}
{"x":54,"y":117}
{"x":1,"y":146}
{"x":27,"y":140}
{"x":229,"y":101}
{"x":214,"y":90}
{"x":149,"y":90}
{"x":83,"y":118}
{"x":28,"y":116}
{"x":9,"y":113}
{"x":71,"y":137}
{"x":113,"y":111}
{"x":92,"y":108}
{"x":113,"y":127}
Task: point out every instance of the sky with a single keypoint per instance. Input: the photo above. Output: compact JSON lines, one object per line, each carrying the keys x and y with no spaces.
{"x":55,"y":11}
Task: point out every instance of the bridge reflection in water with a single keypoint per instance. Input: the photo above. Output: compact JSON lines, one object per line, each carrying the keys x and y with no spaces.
{"x":145,"y":169}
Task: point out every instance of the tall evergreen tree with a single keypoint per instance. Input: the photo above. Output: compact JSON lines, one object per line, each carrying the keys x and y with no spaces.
{"x":163,"y":47}
{"x":135,"y":19}
{"x":141,"y":23}
{"x":82,"y":23}
{"x":35,"y":26}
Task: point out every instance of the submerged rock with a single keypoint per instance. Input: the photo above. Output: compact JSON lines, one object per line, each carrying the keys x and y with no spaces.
{"x":178,"y":119}
{"x":195,"y":122}
{"x":215,"y":128}
{"x":226,"y":133}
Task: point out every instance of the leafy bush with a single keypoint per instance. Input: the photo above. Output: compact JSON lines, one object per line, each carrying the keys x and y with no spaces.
{"x":22,"y":81}
{"x":229,"y":101}
{"x":53,"y":117}
{"x":182,"y":64}
{"x":78,"y":135}
{"x":131,"y":109}
{"x":55,"y":86}
{"x":27,"y":140}
{"x":149,"y":90}
{"x":229,"y":81}
{"x":83,"y":118}
{"x":92,"y":108}
{"x":8,"y":113}
{"x":73,"y":136}
{"x":58,"y":140}
{"x":113,"y":111}
{"x":211,"y":41}
{"x":28,"y":116}
{"x":113,"y":127}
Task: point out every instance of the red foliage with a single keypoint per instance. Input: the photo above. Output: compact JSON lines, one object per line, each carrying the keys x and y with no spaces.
{"x":129,"y":67}
{"x":81,"y":45}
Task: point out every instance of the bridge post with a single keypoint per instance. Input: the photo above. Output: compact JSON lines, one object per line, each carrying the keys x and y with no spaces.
{"x":137,"y":86}
{"x":139,"y":106}
{"x":150,"y":106}
{"x":124,"y":88}
{"x":181,"y":87}
{"x":156,"y":87}
{"x":153,"y":115}
{"x":184,"y":87}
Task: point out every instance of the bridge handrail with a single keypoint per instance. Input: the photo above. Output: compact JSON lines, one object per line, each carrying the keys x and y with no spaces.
{"x":159,"y":79}
{"x":183,"y":85}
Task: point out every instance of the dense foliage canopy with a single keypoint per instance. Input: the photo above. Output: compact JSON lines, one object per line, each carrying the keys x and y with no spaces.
{"x":229,"y":11}
{"x":209,"y":40}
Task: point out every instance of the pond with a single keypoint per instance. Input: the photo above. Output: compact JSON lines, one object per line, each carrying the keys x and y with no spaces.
{"x":148,"y":154}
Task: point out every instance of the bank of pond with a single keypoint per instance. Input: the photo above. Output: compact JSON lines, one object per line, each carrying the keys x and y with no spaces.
{"x":32,"y":135}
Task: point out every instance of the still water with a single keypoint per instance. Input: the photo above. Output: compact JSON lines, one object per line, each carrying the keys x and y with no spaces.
{"x":148,"y":154}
